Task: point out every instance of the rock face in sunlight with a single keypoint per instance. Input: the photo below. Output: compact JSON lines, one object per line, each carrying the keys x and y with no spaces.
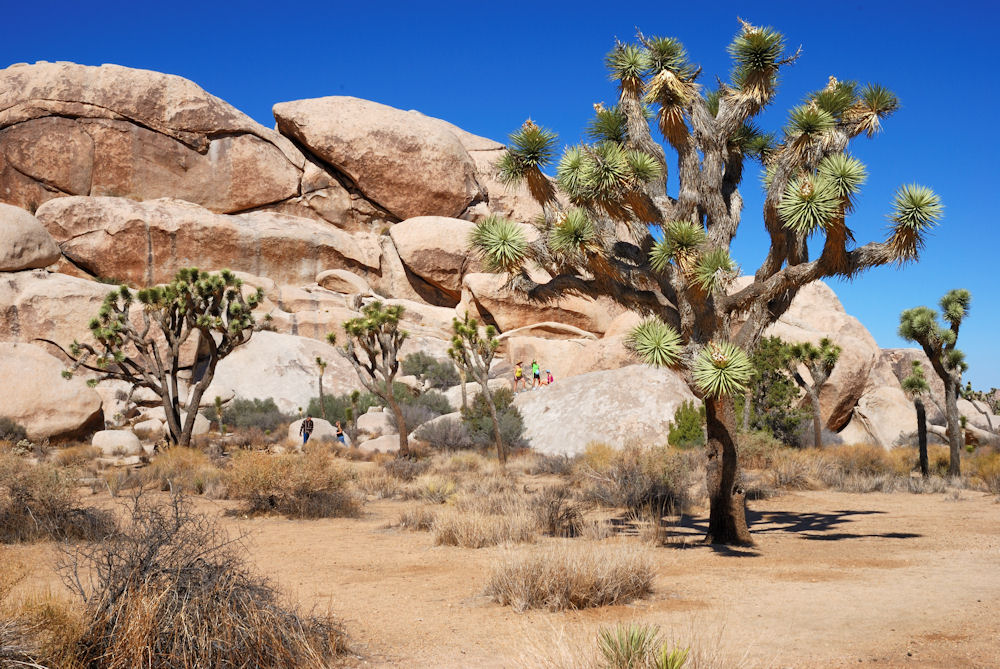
{"x":110,"y":174}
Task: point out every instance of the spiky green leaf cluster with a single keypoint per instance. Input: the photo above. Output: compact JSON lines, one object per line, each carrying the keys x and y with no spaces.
{"x":627,"y":63}
{"x":531,"y":148}
{"x":916,"y":383}
{"x":756,"y":53}
{"x":837,"y":98}
{"x":605,"y":172}
{"x":375,"y":318}
{"x":574,"y":234}
{"x":825,"y":356}
{"x":809,"y":203}
{"x":809,"y":120}
{"x":713,"y":270}
{"x":501,"y":243}
{"x":722,"y":368}
{"x":916,"y":209}
{"x":955,"y":306}
{"x":608,"y":125}
{"x":655,"y":343}
{"x":844,"y":173}
{"x":668,"y":54}
{"x":680,"y":238}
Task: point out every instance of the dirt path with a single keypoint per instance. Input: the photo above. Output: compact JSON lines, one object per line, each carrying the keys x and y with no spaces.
{"x":836,"y":580}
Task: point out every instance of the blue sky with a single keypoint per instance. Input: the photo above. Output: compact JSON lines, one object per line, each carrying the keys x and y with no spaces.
{"x":486,"y":67}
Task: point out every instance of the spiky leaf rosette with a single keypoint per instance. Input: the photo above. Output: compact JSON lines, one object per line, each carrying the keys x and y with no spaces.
{"x":680,"y":242}
{"x":501,"y":243}
{"x":809,"y":203}
{"x":955,"y":306}
{"x":916,"y":209}
{"x":955,"y":360}
{"x":669,"y":54}
{"x":920,"y":324}
{"x":810,"y":121}
{"x":845,"y":174}
{"x":876,"y":102}
{"x":756,"y":53}
{"x":627,"y":63}
{"x":530,"y":150}
{"x":574,"y":234}
{"x":916,"y":383}
{"x":836,"y":98}
{"x":570,"y":173}
{"x":655,"y":343}
{"x":608,"y":125}
{"x":644,"y":167}
{"x":722,"y":368}
{"x":714,"y":270}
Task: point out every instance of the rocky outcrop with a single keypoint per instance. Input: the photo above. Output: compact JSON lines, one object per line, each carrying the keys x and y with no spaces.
{"x":36,"y":395}
{"x":634,"y":404}
{"x":146,"y":243}
{"x":116,"y":443}
{"x":472,"y":390}
{"x":24,"y":243}
{"x":387,"y":443}
{"x":486,"y":296}
{"x":322,"y":431}
{"x":375,"y":423}
{"x":884,"y":414}
{"x":343,"y":281}
{"x":569,"y":357}
{"x":436,"y":249}
{"x":53,"y":306}
{"x":283,"y":367}
{"x":404,"y":161}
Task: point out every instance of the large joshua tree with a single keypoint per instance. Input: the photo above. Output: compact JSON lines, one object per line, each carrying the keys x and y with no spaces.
{"x":819,"y":361}
{"x":916,"y":387}
{"x":372,"y":348}
{"x":473,"y":352}
{"x":141,"y":343}
{"x":921,"y":325}
{"x":624,"y":236}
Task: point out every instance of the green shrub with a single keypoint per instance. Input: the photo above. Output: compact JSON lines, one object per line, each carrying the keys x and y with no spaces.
{"x":263,"y":414}
{"x":687,"y":430}
{"x":480,"y":426}
{"x":773,"y":396}
{"x":338,"y":406}
{"x":11,"y":431}
{"x":637,"y":646}
{"x":437,"y":373}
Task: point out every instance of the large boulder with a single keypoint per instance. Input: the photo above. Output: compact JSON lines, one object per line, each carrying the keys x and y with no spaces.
{"x":816,"y":313}
{"x":376,"y":423}
{"x":486,"y":295}
{"x":387,"y":443}
{"x":402,"y":160}
{"x":569,"y":357}
{"x":111,"y":130}
{"x":147,"y":242}
{"x":436,"y":249}
{"x":472,"y":390}
{"x":24,"y":243}
{"x":343,"y":281}
{"x":634,"y":404}
{"x":117,"y":443}
{"x":36,"y":395}
{"x":283,"y":367}
{"x":323,"y":430}
{"x":37,"y":303}
{"x":884,"y":412}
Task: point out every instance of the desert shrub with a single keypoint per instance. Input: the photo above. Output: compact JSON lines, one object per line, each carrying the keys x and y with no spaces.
{"x":556,"y":512}
{"x":597,"y":456}
{"x":170,"y":589}
{"x":253,"y":437}
{"x":687,"y":429}
{"x":556,"y":465}
{"x":460,"y":463}
{"x":773,"y":395}
{"x":40,"y":502}
{"x":985,"y":469}
{"x":10,"y":431}
{"x":638,"y":646}
{"x":480,"y":425}
{"x":76,"y":456}
{"x":639,"y":479}
{"x":418,"y":518}
{"x":922,"y":486}
{"x":338,"y":407}
{"x":437,"y":373}
{"x":262,"y":414}
{"x":570,"y":577}
{"x":866,"y":483}
{"x":118,"y":480}
{"x":38,"y":629}
{"x":308,"y":486}
{"x":472,"y":529}
{"x":792,"y":470}
{"x":447,"y":434}
{"x":756,"y":449}
{"x":185,"y":470}
{"x":436,"y":490}
{"x":405,"y":469}
{"x":414,"y":415}
{"x":862,"y":459}
{"x":377,"y":483}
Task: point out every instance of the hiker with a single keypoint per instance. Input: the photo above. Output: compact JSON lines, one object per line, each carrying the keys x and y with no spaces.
{"x":306,"y":429}
{"x":548,"y":377}
{"x":340,"y":434}
{"x":536,"y":373}
{"x":519,"y":375}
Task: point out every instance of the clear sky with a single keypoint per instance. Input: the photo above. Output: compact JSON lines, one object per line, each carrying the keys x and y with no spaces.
{"x":488,"y":66}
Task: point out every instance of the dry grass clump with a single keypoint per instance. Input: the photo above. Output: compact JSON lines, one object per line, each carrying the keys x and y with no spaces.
{"x":37,"y":629}
{"x":80,"y":455}
{"x":171,"y":590}
{"x":556,"y":512}
{"x":378,"y":483}
{"x":39,"y":501}
{"x":757,"y":450}
{"x":405,"y":469}
{"x":419,"y":518}
{"x":571,"y":577}
{"x":640,"y":479}
{"x":313,"y":485}
{"x":862,"y":459}
{"x":461,"y":462}
{"x":985,"y":469}
{"x":796,"y":470}
{"x":474,"y":529}
{"x":597,"y":456}
{"x":186,"y":470}
{"x":554,"y":465}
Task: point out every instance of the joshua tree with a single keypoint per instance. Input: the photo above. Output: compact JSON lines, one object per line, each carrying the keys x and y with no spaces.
{"x":376,"y":333}
{"x":623,"y":236}
{"x":218,"y":415}
{"x":915,"y":386}
{"x":321,"y":365}
{"x":920,"y":325}
{"x":352,"y":416}
{"x":473,"y":353}
{"x":820,"y":363}
{"x":143,"y":346}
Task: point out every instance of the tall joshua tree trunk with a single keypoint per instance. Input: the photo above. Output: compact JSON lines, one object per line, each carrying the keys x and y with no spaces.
{"x":817,"y":418}
{"x":954,"y":426}
{"x":727,"y":523}
{"x":922,"y":436}
{"x":497,"y":437}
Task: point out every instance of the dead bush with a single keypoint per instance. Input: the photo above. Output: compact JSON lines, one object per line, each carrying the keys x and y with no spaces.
{"x":556,"y":512}
{"x":985,"y":469}
{"x":555,"y":465}
{"x":861,"y":459}
{"x":792,"y":470}
{"x":377,"y":483}
{"x":299,"y":486}
{"x":571,"y":577}
{"x":419,"y":518}
{"x":757,"y":449}
{"x":80,"y":455}
{"x":405,"y":469}
{"x":170,"y":589}
{"x":641,"y":478}
{"x":36,"y":629}
{"x":472,"y":529}
{"x":187,"y":470}
{"x":39,"y":501}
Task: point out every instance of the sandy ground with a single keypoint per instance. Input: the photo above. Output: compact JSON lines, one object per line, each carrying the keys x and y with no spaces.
{"x":836,"y":580}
